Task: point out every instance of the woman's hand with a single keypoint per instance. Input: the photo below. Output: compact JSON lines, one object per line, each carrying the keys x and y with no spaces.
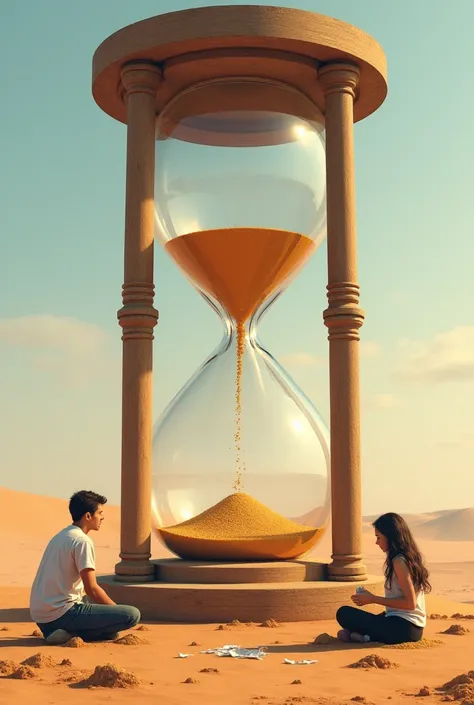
{"x":363,"y":598}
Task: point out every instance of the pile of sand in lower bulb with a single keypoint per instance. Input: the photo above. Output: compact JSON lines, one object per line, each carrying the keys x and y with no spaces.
{"x":239,"y":528}
{"x":111,"y":676}
{"x":373,"y":661}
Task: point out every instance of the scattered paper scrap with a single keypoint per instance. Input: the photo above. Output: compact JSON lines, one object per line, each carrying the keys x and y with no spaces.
{"x":304,"y":662}
{"x":180,"y":655}
{"x":235,"y":651}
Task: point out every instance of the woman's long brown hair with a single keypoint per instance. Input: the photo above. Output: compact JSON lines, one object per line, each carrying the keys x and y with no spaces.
{"x":401,"y":542}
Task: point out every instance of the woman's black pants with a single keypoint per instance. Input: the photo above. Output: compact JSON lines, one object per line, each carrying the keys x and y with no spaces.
{"x":385,"y":630}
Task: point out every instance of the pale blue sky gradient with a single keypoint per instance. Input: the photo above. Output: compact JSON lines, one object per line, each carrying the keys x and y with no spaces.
{"x":62,"y":177}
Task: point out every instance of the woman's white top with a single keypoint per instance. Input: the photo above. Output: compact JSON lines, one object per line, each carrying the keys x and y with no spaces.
{"x":418,"y":615}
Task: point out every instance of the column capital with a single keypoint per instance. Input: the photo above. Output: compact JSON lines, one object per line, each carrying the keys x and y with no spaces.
{"x":339,"y":77}
{"x":140,"y":77}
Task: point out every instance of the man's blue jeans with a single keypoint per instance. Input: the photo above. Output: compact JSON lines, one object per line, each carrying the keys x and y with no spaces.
{"x":94,"y":622}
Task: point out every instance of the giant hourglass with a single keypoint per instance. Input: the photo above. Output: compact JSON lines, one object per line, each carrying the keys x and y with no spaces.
{"x":241,"y":455}
{"x":240,"y":155}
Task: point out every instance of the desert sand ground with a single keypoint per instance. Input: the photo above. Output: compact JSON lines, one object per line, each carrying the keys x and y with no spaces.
{"x":162,"y":675}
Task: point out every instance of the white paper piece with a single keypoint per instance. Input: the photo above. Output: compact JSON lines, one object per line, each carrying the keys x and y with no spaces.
{"x":304,"y":662}
{"x":180,"y":655}
{"x":235,"y":651}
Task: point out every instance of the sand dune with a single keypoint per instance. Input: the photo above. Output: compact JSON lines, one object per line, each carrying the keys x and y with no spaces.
{"x":27,"y":514}
{"x":444,"y":525}
{"x":455,"y":525}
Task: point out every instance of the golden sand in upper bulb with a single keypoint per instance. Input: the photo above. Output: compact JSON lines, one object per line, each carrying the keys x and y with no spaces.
{"x":240,"y":267}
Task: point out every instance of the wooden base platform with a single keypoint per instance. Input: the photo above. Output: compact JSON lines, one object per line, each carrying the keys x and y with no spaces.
{"x":193,"y":592}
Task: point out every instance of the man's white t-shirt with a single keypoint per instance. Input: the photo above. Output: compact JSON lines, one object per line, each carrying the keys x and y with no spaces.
{"x":58,"y":584}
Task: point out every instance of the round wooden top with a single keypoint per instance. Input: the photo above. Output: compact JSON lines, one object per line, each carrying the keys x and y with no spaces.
{"x":299,"y":34}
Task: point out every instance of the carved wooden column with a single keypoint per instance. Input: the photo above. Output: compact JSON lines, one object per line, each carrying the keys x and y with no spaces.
{"x":137,"y":318}
{"x":343,"y":317}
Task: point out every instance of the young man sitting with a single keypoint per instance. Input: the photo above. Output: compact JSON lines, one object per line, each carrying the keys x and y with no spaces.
{"x":66,"y":571}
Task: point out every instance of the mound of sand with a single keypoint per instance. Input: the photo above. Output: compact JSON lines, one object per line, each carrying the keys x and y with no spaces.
{"x":271,"y":623}
{"x":8,"y":667}
{"x":456,"y":629}
{"x":75,"y":643}
{"x":373,"y":661}
{"x":191,"y":680}
{"x":24,"y":673}
{"x":422,"y":644}
{"x":459,"y":688}
{"x":131,"y":640}
{"x":209,"y":670}
{"x":39,"y":661}
{"x":239,"y":528}
{"x":463,"y":691}
{"x":459,"y":680}
{"x":458,"y":615}
{"x":111,"y":676}
{"x":424,"y":692}
{"x":142,"y":628}
{"x":325,"y":639}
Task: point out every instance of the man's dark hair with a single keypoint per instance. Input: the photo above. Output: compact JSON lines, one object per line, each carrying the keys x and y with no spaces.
{"x":83,"y":502}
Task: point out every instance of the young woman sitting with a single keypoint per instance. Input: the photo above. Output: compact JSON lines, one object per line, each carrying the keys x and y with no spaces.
{"x":406,"y":583}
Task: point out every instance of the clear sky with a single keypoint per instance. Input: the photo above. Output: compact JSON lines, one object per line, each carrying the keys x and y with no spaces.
{"x":62,"y":176}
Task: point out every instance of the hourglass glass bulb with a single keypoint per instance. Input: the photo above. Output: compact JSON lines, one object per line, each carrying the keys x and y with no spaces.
{"x":240,"y":204}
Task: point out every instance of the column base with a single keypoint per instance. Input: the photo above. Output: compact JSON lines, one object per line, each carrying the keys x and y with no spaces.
{"x":134,"y":572}
{"x":347,"y":569}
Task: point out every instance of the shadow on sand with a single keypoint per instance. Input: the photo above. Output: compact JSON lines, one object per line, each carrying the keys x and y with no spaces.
{"x":15,"y":614}
{"x":27,"y":640}
{"x":312,"y":649}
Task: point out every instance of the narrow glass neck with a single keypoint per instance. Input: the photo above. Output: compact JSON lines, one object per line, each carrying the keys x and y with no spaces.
{"x":248,"y":329}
